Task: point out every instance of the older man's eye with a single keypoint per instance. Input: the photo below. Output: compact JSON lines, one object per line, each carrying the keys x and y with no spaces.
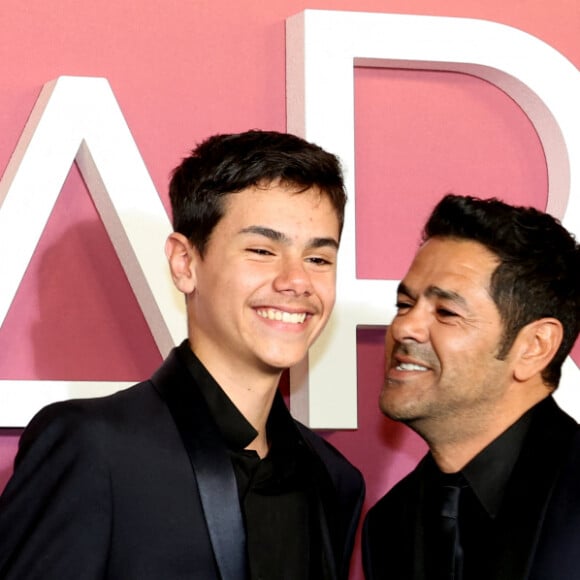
{"x":444,"y":312}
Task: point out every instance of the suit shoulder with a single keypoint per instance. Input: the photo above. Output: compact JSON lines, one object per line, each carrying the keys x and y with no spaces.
{"x":94,"y":406}
{"x":327,"y":452}
{"x":403,"y":494}
{"x":387,"y":536}
{"x":85,"y":418}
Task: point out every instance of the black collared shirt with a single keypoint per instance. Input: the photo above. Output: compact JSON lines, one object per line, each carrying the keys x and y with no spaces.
{"x":277,"y":493}
{"x":483,"y":481}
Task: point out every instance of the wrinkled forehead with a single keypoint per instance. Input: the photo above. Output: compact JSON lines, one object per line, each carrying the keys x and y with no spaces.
{"x":450,"y":261}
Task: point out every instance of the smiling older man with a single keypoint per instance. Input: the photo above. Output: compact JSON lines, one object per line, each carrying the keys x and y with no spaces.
{"x":486,"y":315}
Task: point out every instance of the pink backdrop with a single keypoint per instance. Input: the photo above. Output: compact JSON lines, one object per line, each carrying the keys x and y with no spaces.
{"x":184,"y":70}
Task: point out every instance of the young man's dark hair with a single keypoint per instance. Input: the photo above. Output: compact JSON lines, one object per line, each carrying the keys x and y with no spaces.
{"x":201,"y":471}
{"x":539,"y":265}
{"x":229,"y":163}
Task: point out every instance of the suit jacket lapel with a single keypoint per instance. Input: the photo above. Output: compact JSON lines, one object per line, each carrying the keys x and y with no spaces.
{"x":212,"y":467}
{"x":326,"y":519}
{"x":530,"y":486}
{"x":324,"y":489}
{"x":557,"y":552}
{"x":340,"y":501}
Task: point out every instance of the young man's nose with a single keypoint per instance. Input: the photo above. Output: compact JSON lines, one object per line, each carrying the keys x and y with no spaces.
{"x":293,"y":277}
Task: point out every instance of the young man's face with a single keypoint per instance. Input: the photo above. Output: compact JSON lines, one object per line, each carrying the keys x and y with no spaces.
{"x":441,"y":364}
{"x":266,"y":285}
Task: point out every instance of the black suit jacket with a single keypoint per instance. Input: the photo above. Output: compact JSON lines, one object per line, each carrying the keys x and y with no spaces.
{"x":541,"y":511}
{"x":139,"y":486}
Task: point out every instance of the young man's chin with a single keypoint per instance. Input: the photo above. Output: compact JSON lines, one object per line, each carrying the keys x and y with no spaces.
{"x":283,"y":362}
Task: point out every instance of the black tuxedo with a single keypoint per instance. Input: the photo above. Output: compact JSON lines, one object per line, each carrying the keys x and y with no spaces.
{"x":539,"y":517}
{"x":139,"y":486}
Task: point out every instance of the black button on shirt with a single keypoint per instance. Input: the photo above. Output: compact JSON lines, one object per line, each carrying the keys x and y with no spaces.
{"x":277,"y":493}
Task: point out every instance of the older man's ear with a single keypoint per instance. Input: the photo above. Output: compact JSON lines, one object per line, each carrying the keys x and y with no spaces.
{"x":536,"y":346}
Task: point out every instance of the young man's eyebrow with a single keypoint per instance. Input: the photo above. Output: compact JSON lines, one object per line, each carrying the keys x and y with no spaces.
{"x":269,"y":233}
{"x":277,"y":236}
{"x":323,"y":243}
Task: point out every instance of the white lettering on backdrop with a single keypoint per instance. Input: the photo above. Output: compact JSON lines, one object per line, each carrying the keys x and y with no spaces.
{"x":78,"y":119}
{"x":322,"y":47}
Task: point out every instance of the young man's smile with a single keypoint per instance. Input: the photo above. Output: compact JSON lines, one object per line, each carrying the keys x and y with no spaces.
{"x":265,"y":285}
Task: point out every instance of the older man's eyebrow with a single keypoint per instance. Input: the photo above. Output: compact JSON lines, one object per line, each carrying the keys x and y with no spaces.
{"x":277,"y":236}
{"x":446,"y":295}
{"x":436,"y":291}
{"x":402,"y":288}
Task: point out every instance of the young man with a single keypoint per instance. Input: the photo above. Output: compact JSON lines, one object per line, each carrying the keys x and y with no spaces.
{"x":201,"y":472}
{"x":486,"y":315}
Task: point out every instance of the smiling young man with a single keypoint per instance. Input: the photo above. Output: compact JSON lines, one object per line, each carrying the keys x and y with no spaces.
{"x":201,"y":472}
{"x":486,"y":315}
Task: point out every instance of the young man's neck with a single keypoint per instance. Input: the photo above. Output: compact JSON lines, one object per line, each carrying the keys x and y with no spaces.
{"x":251,"y":390}
{"x":255,"y":405}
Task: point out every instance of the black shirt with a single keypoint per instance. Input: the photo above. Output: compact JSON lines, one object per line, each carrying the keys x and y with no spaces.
{"x":277,"y":493}
{"x":483,"y":482}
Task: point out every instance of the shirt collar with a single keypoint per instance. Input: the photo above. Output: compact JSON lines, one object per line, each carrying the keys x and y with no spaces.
{"x":487,"y":474}
{"x":489,"y":471}
{"x":236,"y":430}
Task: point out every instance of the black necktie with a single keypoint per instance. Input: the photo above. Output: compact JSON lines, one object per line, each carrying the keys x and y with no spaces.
{"x":451,"y":552}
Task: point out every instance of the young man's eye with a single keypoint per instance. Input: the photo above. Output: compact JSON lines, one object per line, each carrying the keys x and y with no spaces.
{"x":401,"y":305}
{"x":260,"y":251}
{"x":319,"y":261}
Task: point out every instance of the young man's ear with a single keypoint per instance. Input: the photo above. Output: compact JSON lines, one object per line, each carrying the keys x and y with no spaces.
{"x":537,"y":344}
{"x":181,"y":255}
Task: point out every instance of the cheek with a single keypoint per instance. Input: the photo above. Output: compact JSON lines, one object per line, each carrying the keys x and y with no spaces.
{"x":451,"y":350}
{"x":389,"y":339}
{"x":236,"y":280}
{"x":325,"y":289}
{"x":330,"y":299}
{"x":460,"y":353}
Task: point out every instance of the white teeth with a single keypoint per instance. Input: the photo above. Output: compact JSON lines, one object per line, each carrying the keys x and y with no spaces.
{"x":289,"y":317}
{"x":410,"y":367}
